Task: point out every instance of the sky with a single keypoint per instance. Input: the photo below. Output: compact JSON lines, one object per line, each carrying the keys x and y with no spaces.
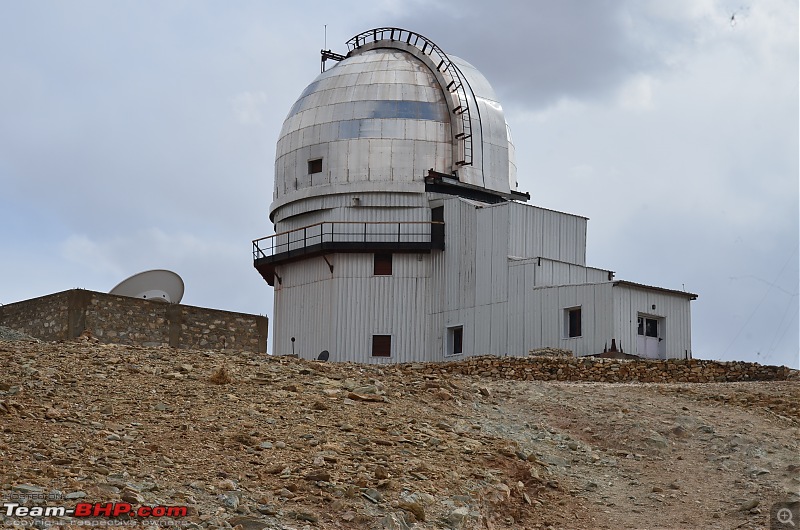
{"x":140,"y":135}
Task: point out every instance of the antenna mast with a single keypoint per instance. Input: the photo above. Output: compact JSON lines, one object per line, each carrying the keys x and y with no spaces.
{"x":327,"y":54}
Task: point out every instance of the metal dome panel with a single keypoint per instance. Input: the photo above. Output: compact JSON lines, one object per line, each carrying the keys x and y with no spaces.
{"x":490,"y":167}
{"x":376,"y":116}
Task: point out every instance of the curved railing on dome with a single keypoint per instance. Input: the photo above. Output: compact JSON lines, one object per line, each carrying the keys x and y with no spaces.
{"x":456,"y":83}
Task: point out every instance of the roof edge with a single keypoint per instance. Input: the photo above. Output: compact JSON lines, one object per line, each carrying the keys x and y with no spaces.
{"x":625,"y":283}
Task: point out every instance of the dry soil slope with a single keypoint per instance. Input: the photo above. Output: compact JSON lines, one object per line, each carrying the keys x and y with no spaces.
{"x":292,"y":444}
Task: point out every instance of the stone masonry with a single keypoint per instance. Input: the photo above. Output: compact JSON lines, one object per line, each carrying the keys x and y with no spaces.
{"x":609,"y":370}
{"x":124,"y":320}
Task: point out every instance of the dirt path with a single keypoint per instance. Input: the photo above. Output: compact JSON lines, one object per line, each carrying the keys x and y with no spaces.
{"x":659,"y":456}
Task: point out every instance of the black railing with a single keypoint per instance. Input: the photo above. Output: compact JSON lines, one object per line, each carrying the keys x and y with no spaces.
{"x":350,"y":235}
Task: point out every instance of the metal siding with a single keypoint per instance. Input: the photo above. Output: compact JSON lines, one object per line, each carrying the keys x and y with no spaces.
{"x":471,"y":331}
{"x":386,"y":306}
{"x":305,"y":286}
{"x":551,"y":320}
{"x":533,"y":303}
{"x":344,"y":200}
{"x":463,"y":288}
{"x":563,"y":238}
{"x":342,"y":313}
{"x":498,"y":338}
{"x":674,"y":309}
{"x":499,"y":253}
{"x":483,"y":257}
{"x":603,"y":316}
{"x":538,"y":232}
{"x":622,"y":320}
{"x":580,"y":241}
{"x":546,"y":316}
{"x":483,"y":330}
{"x":550,"y":243}
{"x":515,"y":326}
{"x":586,"y":299}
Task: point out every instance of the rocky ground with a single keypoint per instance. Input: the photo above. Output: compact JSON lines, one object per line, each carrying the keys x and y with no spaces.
{"x":255,"y":442}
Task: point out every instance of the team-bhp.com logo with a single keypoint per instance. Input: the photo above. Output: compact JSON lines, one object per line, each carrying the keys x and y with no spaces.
{"x":95,"y":509}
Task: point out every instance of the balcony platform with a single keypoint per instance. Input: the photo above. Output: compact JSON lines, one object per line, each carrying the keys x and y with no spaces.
{"x":345,"y":237}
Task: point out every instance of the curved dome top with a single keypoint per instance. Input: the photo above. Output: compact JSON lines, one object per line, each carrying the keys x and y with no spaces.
{"x":386,"y":114}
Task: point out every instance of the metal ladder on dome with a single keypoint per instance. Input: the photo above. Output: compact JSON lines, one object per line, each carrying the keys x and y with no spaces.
{"x":456,"y":84}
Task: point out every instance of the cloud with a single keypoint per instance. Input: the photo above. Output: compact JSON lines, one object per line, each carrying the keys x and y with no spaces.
{"x":539,"y":52}
{"x":81,"y":250}
{"x":144,"y":248}
{"x":249,"y":107}
{"x":636,"y":93}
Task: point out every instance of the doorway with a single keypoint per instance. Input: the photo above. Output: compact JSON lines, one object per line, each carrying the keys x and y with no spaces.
{"x":650,"y":337}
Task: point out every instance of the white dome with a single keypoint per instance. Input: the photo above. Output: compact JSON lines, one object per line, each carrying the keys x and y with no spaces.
{"x":384,"y":116}
{"x":378,"y":116}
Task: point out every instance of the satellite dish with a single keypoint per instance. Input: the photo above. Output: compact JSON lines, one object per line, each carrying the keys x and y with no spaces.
{"x":157,"y":285}
{"x":324,"y":355}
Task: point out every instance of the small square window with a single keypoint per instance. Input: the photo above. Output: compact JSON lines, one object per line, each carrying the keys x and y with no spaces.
{"x":381,"y":345}
{"x":455,"y":340}
{"x":382,"y":265}
{"x":572,"y":322}
{"x":315,"y":166}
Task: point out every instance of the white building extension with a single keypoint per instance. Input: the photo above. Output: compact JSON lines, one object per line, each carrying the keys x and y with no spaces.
{"x":400,"y":235}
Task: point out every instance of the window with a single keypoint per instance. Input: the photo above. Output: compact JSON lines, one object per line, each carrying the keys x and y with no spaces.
{"x":647,"y":327}
{"x":455,"y":340}
{"x":315,"y":166}
{"x":383,"y":265}
{"x":572,"y":322}
{"x":381,"y":345}
{"x":437,"y":229}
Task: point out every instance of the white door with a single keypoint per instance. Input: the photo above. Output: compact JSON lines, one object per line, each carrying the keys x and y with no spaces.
{"x":648,"y":339}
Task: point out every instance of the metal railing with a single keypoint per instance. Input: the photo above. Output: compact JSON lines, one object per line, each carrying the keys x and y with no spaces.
{"x":348,"y":232}
{"x":456,"y":83}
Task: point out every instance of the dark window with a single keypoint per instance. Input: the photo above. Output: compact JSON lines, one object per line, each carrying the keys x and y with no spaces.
{"x":383,"y":265}
{"x":458,"y":340}
{"x":315,"y":166}
{"x":640,"y":330}
{"x":381,"y":345}
{"x":651,"y":327}
{"x":437,"y":229}
{"x":574,"y":322}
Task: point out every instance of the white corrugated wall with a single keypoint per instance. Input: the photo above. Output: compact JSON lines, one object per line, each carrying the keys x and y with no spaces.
{"x":340,"y":311}
{"x":538,"y":232}
{"x":547,"y":305}
{"x":630,"y":302}
{"x":470,"y":279}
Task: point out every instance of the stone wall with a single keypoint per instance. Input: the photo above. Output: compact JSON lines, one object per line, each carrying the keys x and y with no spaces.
{"x":124,"y":320}
{"x":48,"y":315}
{"x":610,"y":370}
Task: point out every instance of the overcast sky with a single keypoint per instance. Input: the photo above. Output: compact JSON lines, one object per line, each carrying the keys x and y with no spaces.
{"x":139,"y":135}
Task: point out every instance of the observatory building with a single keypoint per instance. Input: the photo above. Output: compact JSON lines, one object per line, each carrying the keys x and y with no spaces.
{"x":400,"y":234}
